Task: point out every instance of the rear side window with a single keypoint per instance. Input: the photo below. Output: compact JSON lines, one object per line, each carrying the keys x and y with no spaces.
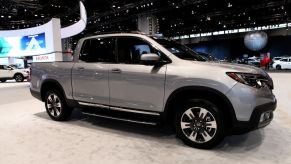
{"x":284,"y":60}
{"x":98,"y":50}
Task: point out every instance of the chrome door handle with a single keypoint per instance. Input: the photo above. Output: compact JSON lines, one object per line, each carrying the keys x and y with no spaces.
{"x":116,"y":70}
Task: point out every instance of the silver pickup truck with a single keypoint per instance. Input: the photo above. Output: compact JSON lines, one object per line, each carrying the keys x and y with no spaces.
{"x":144,"y":79}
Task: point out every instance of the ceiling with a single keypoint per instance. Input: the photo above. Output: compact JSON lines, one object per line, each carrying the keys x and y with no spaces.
{"x":176,"y":17}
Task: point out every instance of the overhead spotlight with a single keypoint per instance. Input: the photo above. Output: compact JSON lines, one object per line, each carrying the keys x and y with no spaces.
{"x":229,"y":5}
{"x":2,"y":16}
{"x":35,"y":15}
{"x":9,"y":16}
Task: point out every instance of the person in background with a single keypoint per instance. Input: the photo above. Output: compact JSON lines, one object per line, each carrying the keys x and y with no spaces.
{"x":265,"y":62}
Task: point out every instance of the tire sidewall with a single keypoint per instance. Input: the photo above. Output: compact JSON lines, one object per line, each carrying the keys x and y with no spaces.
{"x":219,"y":135}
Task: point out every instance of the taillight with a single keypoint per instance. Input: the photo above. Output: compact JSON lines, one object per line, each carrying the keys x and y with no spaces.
{"x":29,"y":75}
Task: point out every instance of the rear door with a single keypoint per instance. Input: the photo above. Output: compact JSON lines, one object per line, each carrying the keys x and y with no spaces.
{"x":284,"y":63}
{"x":90,"y":72}
{"x":132,"y":84}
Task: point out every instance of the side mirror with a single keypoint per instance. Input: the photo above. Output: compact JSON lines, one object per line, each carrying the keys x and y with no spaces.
{"x":150,"y":58}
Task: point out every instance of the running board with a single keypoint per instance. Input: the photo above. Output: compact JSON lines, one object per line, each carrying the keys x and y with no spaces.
{"x":118,"y":109}
{"x":121,"y":119}
{"x":121,"y":114}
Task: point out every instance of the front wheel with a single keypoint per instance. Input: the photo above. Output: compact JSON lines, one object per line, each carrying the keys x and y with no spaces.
{"x":56,"y":106}
{"x":3,"y":81}
{"x":199,"y":124}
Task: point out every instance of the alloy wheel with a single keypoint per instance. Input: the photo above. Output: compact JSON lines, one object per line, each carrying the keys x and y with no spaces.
{"x":54,"y":105}
{"x":198,"y":125}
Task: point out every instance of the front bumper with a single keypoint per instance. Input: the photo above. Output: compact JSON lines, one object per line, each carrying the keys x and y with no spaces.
{"x":261,"y":117}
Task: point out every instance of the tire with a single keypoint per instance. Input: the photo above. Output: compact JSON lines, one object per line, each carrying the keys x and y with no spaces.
{"x":3,"y":81}
{"x":56,"y":106}
{"x":196,"y":130}
{"x":278,"y":67}
{"x":19,"y":77}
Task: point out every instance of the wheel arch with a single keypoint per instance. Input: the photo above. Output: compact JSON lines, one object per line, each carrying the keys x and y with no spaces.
{"x":207,"y":93}
{"x":51,"y":83}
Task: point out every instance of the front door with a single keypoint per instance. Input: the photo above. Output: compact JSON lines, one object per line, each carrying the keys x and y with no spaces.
{"x":90,"y":73}
{"x":4,"y":72}
{"x":132,"y":84}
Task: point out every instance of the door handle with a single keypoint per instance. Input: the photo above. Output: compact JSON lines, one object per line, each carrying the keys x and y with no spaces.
{"x":80,"y":68}
{"x":116,"y":70}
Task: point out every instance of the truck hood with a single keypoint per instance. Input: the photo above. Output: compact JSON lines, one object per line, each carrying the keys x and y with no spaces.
{"x":230,"y":67}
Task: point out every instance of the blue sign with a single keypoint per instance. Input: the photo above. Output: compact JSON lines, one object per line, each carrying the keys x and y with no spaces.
{"x":33,"y":42}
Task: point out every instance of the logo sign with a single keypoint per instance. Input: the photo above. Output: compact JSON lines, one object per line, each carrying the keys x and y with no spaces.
{"x":44,"y":58}
{"x":33,"y":42}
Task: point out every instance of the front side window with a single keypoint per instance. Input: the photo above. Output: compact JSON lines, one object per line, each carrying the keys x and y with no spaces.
{"x":98,"y":50}
{"x":284,"y":60}
{"x":131,"y":49}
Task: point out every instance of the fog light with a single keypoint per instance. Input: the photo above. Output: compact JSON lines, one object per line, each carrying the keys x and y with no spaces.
{"x":265,"y":116}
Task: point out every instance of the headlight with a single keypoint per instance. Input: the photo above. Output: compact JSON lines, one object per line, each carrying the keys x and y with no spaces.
{"x":253,"y":80}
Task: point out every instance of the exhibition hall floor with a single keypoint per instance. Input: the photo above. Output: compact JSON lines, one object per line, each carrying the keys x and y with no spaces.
{"x":28,"y":136}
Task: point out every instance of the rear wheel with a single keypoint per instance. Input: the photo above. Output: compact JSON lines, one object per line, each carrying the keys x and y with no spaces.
{"x":19,"y":78}
{"x":3,"y":81}
{"x":199,"y":124}
{"x":278,"y":67}
{"x":56,"y":106}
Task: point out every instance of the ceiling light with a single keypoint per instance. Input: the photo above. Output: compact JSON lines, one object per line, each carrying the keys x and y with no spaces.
{"x":2,"y":16}
{"x":229,"y":5}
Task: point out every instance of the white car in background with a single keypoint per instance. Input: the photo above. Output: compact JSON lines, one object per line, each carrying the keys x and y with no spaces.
{"x":9,"y":73}
{"x":284,"y":63}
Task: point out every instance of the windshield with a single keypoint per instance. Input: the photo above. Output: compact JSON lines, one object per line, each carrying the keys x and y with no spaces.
{"x":179,"y":50}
